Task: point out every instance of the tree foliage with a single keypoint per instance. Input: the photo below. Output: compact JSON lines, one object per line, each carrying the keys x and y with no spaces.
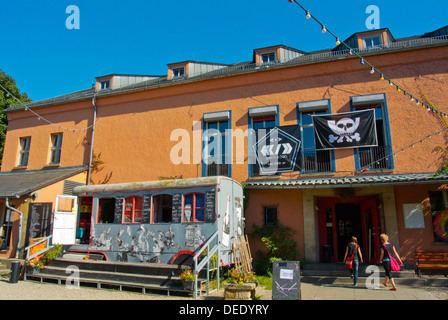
{"x":7,"y":99}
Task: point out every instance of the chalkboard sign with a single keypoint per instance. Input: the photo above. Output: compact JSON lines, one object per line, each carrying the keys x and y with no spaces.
{"x":177,"y":208}
{"x":118,"y":214}
{"x":146,"y":212}
{"x":210,"y":206}
{"x":39,"y":220}
{"x":286,"y":280}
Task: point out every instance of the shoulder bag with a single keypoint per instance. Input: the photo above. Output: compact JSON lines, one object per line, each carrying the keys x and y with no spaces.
{"x":393,"y":263}
{"x":349,"y":260}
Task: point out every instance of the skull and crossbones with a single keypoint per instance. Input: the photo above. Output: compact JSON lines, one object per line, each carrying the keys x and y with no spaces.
{"x":344,"y":128}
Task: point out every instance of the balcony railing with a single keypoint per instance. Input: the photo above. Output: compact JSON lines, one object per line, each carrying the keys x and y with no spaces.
{"x":374,"y":158}
{"x":317,"y":161}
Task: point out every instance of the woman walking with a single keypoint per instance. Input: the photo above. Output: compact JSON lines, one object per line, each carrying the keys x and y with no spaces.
{"x":354,"y":251}
{"x":388,"y":249}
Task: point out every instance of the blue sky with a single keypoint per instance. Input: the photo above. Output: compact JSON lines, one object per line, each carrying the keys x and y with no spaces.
{"x":143,"y":36}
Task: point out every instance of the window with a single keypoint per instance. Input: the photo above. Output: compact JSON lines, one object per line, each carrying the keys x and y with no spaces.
{"x":217,"y":148}
{"x":194,"y":208}
{"x":6,"y":229}
{"x":66,"y":204}
{"x":270,"y":216}
{"x":24,"y":152}
{"x":379,"y":157}
{"x":372,"y":42}
{"x":106,"y":210}
{"x":260,"y":122}
{"x":133,"y":209}
{"x":268,"y":58}
{"x":163,"y":208}
{"x":313,"y":161}
{"x":105,"y":84}
{"x":178,"y":72}
{"x":55,"y":150}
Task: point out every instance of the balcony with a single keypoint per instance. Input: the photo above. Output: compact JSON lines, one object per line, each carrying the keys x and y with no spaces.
{"x":317,"y":161}
{"x":374,"y":158}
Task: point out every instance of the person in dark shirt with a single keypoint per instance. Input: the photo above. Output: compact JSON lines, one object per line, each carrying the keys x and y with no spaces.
{"x":354,"y":250}
{"x":385,"y":249}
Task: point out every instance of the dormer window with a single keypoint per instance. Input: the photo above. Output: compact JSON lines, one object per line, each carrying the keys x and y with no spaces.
{"x":372,"y":42}
{"x":178,"y":72}
{"x":105,"y":84}
{"x":268,"y":57}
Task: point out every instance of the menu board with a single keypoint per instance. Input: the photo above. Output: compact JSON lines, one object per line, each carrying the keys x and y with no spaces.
{"x":118,"y":213}
{"x":177,"y":208}
{"x":286,"y":280}
{"x":210,"y":206}
{"x":146,"y":208}
{"x":39,"y":220}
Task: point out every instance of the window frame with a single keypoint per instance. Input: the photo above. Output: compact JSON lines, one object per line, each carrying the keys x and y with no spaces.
{"x":320,"y":110}
{"x":178,"y":72}
{"x":24,"y":152}
{"x":156,"y":211}
{"x":194,"y":208}
{"x":105,"y":85}
{"x":55,"y":148}
{"x":225,"y":158}
{"x":371,"y":40}
{"x":133,"y":210}
{"x":268,"y":55}
{"x":381,"y":116}
{"x":100,"y":211}
{"x":74,"y":206}
{"x":260,"y":118}
{"x":265,"y":216}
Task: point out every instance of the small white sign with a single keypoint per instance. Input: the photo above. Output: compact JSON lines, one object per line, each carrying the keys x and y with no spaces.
{"x":286,"y":274}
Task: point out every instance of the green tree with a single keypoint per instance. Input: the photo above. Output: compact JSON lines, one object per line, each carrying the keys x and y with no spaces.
{"x":7,"y":99}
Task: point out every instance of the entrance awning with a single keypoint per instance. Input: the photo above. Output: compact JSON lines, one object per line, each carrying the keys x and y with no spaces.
{"x":358,"y":181}
{"x":16,"y":184}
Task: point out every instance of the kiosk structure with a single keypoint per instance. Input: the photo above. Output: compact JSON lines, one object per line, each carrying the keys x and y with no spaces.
{"x":166,"y":221}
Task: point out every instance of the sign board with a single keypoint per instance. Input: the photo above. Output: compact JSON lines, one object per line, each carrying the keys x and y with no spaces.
{"x":146,"y":208}
{"x":118,"y":213}
{"x":39,"y":220}
{"x":286,"y":280}
{"x":177,"y":208}
{"x":210,"y":204}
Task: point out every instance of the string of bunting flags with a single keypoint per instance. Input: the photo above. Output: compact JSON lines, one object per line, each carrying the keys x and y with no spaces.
{"x":428,"y":106}
{"x":39,"y":117}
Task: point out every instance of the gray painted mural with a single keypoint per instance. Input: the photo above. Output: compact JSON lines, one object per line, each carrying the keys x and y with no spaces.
{"x":174,"y":221}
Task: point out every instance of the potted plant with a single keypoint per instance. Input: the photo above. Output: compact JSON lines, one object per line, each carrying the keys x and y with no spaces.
{"x":241,"y":285}
{"x":187,"y":278}
{"x":35,"y":266}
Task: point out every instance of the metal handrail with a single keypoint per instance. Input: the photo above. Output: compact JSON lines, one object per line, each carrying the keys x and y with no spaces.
{"x":199,"y":266}
{"x":48,"y":247}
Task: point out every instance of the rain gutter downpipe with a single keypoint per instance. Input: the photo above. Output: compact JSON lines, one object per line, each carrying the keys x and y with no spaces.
{"x":20,"y":225}
{"x":93,"y":137}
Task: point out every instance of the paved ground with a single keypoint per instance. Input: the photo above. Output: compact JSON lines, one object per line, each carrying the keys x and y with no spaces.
{"x":27,"y":290}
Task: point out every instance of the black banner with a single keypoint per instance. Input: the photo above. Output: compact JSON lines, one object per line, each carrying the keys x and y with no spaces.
{"x":345,"y":130}
{"x":276,"y":150}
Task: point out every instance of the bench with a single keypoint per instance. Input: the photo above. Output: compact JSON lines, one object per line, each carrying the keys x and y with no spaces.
{"x":431,"y":260}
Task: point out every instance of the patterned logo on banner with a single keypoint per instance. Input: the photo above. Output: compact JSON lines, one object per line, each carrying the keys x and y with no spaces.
{"x":345,"y":130}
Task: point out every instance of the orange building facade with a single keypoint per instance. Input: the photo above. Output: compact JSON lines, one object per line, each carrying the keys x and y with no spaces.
{"x":145,"y":128}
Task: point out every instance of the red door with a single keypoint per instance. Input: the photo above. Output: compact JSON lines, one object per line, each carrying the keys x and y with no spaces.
{"x":371,"y":232}
{"x":330,"y":229}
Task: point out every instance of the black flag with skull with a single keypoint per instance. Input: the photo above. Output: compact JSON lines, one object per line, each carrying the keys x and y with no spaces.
{"x":345,"y":130}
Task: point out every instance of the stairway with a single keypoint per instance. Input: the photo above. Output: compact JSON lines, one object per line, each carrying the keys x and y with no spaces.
{"x":136,"y":277}
{"x":336,"y":273}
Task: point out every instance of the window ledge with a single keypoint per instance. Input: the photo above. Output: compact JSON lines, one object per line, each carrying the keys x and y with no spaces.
{"x":52,"y":165}
{"x":20,"y":168}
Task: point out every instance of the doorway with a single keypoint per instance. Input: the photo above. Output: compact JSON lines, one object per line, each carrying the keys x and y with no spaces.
{"x":349,"y":224}
{"x":340,"y":220}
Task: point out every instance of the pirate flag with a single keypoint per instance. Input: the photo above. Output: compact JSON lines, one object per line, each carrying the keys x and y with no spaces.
{"x":345,"y":130}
